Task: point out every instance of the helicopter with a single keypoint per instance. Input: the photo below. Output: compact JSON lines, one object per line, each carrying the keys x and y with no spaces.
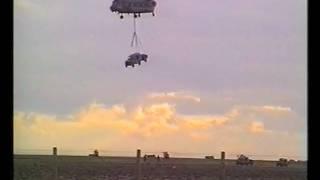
{"x":135,"y":7}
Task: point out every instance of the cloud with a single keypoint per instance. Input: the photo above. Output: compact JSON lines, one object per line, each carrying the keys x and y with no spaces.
{"x":156,"y":125}
{"x":202,"y":122}
{"x":200,"y":136}
{"x":277,"y":108}
{"x":174,"y":96}
{"x":96,"y":120}
{"x":257,"y":127}
{"x":274,"y":112}
{"x":265,"y":112}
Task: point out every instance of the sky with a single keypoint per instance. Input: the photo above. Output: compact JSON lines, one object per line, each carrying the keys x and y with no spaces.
{"x":221,"y":76}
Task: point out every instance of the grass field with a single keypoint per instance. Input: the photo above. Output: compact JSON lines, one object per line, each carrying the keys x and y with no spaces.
{"x":27,"y":167}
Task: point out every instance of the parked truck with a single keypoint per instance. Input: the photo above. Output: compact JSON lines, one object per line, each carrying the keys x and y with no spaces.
{"x":166,"y":155}
{"x":95,"y":153}
{"x":282,"y":162}
{"x":244,"y":160}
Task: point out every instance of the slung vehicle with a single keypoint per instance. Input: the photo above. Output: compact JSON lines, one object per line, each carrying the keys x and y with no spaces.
{"x":136,"y":58}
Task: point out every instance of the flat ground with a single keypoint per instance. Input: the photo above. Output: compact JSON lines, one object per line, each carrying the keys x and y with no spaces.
{"x":40,"y":167}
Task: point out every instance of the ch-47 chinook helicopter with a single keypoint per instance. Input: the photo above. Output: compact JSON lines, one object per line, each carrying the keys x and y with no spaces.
{"x":135,"y":7}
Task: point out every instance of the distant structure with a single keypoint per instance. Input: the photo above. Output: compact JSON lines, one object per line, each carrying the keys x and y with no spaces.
{"x":55,"y":151}
{"x":223,"y":166}
{"x":95,"y":153}
{"x":223,"y":155}
{"x":138,"y":165}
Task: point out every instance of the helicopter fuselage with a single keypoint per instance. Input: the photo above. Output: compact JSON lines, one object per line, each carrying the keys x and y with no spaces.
{"x":135,"y":7}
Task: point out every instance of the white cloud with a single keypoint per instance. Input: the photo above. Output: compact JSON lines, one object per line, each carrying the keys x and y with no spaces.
{"x":277,"y":108}
{"x":265,"y":112}
{"x":165,"y":96}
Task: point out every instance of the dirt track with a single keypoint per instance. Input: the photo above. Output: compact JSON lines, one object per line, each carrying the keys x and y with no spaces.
{"x":107,"y":168}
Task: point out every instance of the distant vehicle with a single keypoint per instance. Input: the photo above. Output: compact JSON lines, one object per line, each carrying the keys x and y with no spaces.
{"x":150,"y":156}
{"x":292,"y":161}
{"x":95,"y":153}
{"x":135,"y":7}
{"x":244,"y":160}
{"x":282,"y":162}
{"x":209,"y":157}
{"x":136,"y":58}
{"x":166,"y":155}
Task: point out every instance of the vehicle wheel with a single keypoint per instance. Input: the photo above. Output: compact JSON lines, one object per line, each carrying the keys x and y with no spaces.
{"x":139,"y":63}
{"x":121,"y":17}
{"x":132,"y":65}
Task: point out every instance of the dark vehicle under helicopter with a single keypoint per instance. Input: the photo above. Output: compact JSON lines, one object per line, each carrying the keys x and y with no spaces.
{"x":136,"y":58}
